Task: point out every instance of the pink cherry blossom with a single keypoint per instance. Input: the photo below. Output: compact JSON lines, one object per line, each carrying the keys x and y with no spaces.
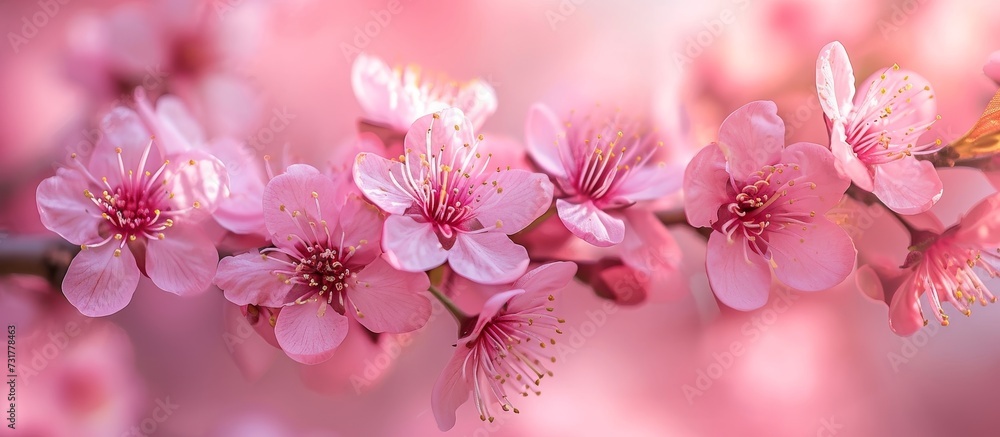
{"x":398,"y":96}
{"x":508,"y":350}
{"x":178,"y":131}
{"x":132,"y":211}
{"x":943,"y":268}
{"x":448,"y":204}
{"x":875,"y":133}
{"x":601,"y":166}
{"x":325,"y":264}
{"x":766,"y":204}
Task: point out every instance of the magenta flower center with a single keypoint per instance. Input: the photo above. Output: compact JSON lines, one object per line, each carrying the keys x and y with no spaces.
{"x":765,"y":204}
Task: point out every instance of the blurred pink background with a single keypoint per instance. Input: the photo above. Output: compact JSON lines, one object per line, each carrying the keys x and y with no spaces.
{"x":819,"y":364}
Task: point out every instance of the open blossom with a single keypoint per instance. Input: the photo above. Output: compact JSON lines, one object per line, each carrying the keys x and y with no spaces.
{"x":944,"y":269}
{"x":508,"y":350}
{"x":177,"y":131}
{"x":447,"y":203}
{"x":324,"y":265}
{"x":601,"y":166}
{"x":396,"y":97}
{"x":766,"y":205}
{"x":132,"y":210}
{"x":875,"y":133}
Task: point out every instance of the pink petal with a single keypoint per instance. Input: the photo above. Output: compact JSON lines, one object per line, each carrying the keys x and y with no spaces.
{"x":908,"y":93}
{"x":371,"y":79}
{"x":371,"y":174}
{"x":705,"y":182}
{"x":98,"y":283}
{"x":493,"y":306}
{"x":847,"y":161}
{"x":410,"y":245}
{"x":388,"y":300}
{"x":590,"y":223}
{"x":252,"y":354}
{"x":247,"y":278}
{"x":650,"y":182}
{"x":541,"y":282}
{"x":739,"y":277}
{"x":121,"y":128}
{"x":869,"y":283}
{"x":291,"y":194}
{"x":981,"y":225}
{"x":242,"y":211}
{"x":175,"y":129}
{"x":648,"y":245}
{"x":519,"y":197}
{"x":544,"y":132}
{"x":197,"y":178}
{"x":907,"y":186}
{"x":308,"y":337}
{"x":451,"y":389}
{"x":992,"y":67}
{"x":752,"y":137}
{"x":835,"y":81}
{"x":65,"y":210}
{"x":812,"y":259}
{"x":443,"y":133}
{"x":361,"y":223}
{"x":816,"y":165}
{"x":488,"y":258}
{"x":905,"y":317}
{"x":183,"y":262}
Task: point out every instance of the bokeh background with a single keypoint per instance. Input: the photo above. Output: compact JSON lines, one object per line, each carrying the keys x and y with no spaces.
{"x":818,"y":364}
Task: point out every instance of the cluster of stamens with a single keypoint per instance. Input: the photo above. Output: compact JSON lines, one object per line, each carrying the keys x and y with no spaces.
{"x":511,"y":353}
{"x":948,"y":273}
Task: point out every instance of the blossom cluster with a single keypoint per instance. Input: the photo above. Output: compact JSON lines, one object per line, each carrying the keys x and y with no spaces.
{"x":426,"y":203}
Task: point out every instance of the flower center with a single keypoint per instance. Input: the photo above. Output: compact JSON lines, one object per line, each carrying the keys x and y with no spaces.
{"x":948,"y":274}
{"x":764,"y":205}
{"x":606,"y":156}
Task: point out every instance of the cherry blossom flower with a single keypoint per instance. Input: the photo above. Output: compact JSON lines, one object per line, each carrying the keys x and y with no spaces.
{"x":509,"y":348}
{"x":599,"y":170}
{"x":875,"y":133}
{"x":447,"y":203}
{"x":132,"y":211}
{"x":766,"y":206}
{"x":943,"y":267}
{"x":325,"y":264}
{"x":397,"y":97}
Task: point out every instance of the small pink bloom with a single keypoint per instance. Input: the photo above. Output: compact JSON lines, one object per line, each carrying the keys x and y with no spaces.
{"x":875,"y":133}
{"x":944,"y":268}
{"x":766,"y":204}
{"x":599,"y":171}
{"x":397,"y":97}
{"x":325,"y":264}
{"x":507,"y":351}
{"x":126,"y":203}
{"x":448,"y":204}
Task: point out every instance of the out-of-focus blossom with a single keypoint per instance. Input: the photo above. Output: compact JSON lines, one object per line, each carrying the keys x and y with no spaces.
{"x":325,"y":256}
{"x":397,"y":97}
{"x":177,"y":132}
{"x":504,"y":353}
{"x":943,"y":267}
{"x":875,"y":133}
{"x":992,"y":67}
{"x":599,"y":170}
{"x":447,"y":203}
{"x":133,"y":207}
{"x":766,"y":205}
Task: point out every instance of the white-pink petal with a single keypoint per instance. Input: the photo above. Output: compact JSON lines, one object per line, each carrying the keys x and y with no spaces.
{"x":99,"y":282}
{"x":389,"y":300}
{"x":488,"y":257}
{"x":587,"y":221}
{"x":183,"y":262}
